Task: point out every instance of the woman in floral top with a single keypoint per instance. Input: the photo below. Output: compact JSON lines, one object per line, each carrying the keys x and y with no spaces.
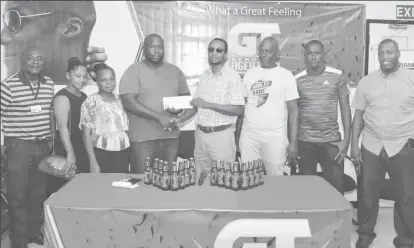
{"x":104,"y":124}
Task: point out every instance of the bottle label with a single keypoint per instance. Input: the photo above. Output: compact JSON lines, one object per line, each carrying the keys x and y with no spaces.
{"x":245,"y":182}
{"x":235,"y":182}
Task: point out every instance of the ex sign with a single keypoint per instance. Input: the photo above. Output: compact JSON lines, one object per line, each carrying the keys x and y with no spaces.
{"x":405,"y":12}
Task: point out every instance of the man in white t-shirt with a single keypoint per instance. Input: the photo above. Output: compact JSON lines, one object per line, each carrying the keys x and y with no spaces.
{"x":271,"y":97}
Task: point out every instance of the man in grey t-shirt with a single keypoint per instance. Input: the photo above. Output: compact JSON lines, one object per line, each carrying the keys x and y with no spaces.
{"x":142,"y":88}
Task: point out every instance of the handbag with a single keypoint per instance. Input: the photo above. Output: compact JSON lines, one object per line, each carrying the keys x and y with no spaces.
{"x":56,"y":165}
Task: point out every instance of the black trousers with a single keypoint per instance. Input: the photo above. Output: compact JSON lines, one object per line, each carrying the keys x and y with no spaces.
{"x":324,"y":153}
{"x":113,"y":161}
{"x":401,"y":171}
{"x":26,"y":189}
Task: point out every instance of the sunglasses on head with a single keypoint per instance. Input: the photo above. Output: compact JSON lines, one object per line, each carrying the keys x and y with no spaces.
{"x":218,"y":50}
{"x":12,"y":19}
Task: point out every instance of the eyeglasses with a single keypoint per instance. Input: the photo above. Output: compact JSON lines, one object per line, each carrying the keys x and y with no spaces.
{"x":218,"y":50}
{"x":12,"y":19}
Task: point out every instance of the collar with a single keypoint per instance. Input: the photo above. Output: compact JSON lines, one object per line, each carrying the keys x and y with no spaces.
{"x":221,"y":72}
{"x":392,"y":73}
{"x":25,"y":81}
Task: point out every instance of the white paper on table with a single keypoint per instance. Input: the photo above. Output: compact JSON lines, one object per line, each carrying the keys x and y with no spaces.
{"x":177,"y":102}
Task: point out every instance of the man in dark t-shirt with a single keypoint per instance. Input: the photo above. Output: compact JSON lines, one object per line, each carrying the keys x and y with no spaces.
{"x":142,"y":88}
{"x":320,"y":88}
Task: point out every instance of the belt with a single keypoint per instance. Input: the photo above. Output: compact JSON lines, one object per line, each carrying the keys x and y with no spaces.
{"x":213,"y":129}
{"x":35,"y":140}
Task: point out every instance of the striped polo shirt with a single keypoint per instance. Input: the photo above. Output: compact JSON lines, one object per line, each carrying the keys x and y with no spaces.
{"x":318,"y":104}
{"x":20,"y":117}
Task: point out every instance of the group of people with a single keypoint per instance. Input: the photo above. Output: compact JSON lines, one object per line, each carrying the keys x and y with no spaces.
{"x":269,"y":114}
{"x":280,"y":117}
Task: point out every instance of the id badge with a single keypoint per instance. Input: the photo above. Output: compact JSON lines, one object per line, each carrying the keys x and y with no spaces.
{"x":35,"y":109}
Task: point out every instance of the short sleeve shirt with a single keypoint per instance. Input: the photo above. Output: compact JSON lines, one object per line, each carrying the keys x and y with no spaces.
{"x":108,"y":122}
{"x":152,"y":85}
{"x":388,"y":102}
{"x":267,"y":91}
{"x":318,"y":104}
{"x":224,"y":88}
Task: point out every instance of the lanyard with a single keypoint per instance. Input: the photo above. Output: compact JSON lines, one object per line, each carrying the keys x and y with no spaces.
{"x":31,"y":88}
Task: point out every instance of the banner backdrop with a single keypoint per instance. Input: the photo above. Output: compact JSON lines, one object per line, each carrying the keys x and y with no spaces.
{"x":188,"y":27}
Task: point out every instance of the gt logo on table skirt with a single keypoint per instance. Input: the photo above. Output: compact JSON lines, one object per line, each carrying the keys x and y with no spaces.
{"x":284,"y":230}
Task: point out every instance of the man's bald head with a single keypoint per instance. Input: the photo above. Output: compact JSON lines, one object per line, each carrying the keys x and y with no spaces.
{"x":154,"y":48}
{"x":389,"y":41}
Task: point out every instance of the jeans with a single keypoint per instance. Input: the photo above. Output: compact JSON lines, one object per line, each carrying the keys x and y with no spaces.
{"x":165,"y":149}
{"x":400,"y":168}
{"x":324,"y":153}
{"x":26,"y":189}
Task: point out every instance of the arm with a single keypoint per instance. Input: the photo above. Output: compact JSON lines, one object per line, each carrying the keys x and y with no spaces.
{"x":357,"y":126}
{"x":131,"y":103}
{"x":87,"y":140}
{"x":61,"y":107}
{"x":5,"y":102}
{"x":236,"y":95}
{"x":232,"y":110}
{"x":87,"y":125}
{"x":239,"y":124}
{"x":360,"y":104}
{"x":129,"y":88}
{"x":187,"y":114}
{"x":346,"y":118}
{"x":293,"y":121}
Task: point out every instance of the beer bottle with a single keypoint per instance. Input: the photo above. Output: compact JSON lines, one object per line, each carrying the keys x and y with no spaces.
{"x":160,"y":166}
{"x":245,"y":176}
{"x":181,"y":174}
{"x":164,"y":178}
{"x":155,"y":173}
{"x":220,"y":174}
{"x":213,"y":173}
{"x":251,"y":175}
{"x":175,"y":180}
{"x":193,"y":173}
{"x":257,"y":174}
{"x":148,"y":171}
{"x":227,"y":176}
{"x":187,"y":175}
{"x":235,"y":177}
{"x":262,"y":171}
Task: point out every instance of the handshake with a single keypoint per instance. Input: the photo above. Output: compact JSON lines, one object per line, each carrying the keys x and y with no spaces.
{"x":170,"y":124}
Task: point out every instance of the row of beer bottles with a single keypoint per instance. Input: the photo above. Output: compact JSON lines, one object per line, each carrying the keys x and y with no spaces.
{"x":181,"y":176}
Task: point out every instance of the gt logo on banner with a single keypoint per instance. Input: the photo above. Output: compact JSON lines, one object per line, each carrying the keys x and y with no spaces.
{"x":243,"y":52}
{"x":284,"y":230}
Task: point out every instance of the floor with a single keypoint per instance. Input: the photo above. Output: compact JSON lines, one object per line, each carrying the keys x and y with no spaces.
{"x":384,"y":229}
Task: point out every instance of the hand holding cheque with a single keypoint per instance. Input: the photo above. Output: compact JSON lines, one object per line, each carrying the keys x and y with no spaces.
{"x":176,"y":105}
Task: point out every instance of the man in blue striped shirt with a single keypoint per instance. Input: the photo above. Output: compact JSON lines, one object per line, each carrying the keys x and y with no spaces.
{"x":320,"y":89}
{"x":26,"y":114}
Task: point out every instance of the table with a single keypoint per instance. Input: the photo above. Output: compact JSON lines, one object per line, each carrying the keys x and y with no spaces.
{"x":89,"y":212}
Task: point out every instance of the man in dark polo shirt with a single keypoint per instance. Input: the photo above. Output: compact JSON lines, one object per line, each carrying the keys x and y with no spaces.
{"x":320,"y":88}
{"x":26,"y":112}
{"x":384,"y":103}
{"x":142,"y":88}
